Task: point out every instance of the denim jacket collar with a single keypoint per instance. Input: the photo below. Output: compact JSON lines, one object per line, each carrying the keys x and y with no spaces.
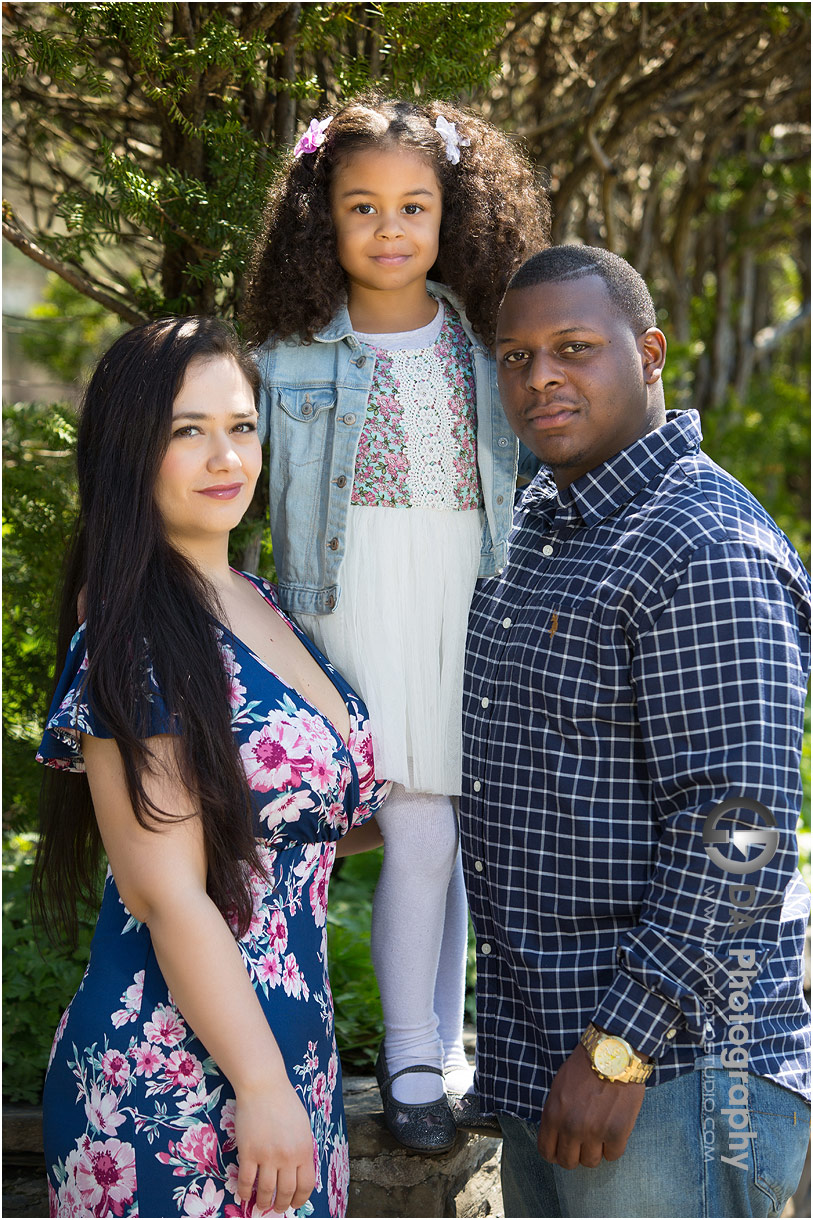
{"x":340,"y":327}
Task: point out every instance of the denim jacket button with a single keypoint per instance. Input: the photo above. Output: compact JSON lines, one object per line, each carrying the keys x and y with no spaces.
{"x":360,"y":362}
{"x":334,"y":544}
{"x":502,"y":442}
{"x":331,"y":601}
{"x":307,"y":409}
{"x":341,"y":481}
{"x":349,"y":419}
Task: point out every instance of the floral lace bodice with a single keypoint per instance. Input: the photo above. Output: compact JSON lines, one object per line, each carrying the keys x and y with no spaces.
{"x":418,"y":447}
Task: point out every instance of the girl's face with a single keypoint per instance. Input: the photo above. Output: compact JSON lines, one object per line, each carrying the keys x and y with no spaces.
{"x":386,"y":207}
{"x":213,"y":460}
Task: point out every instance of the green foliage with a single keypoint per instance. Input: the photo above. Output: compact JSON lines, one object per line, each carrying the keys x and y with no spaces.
{"x":764,"y":440}
{"x":441,"y":49}
{"x":175,"y":158}
{"x":359,"y":1023}
{"x":38,"y":982}
{"x":38,"y":513}
{"x":765,"y":443}
{"x":71,"y":333}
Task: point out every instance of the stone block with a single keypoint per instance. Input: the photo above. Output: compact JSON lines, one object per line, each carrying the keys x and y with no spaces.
{"x":387,"y":1180}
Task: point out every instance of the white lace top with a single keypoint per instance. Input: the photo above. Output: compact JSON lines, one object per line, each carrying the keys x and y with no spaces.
{"x":418,"y":446}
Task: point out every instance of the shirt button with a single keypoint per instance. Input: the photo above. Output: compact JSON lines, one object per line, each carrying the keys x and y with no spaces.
{"x":506,"y":623}
{"x":500,"y":571}
{"x":478,"y":866}
{"x":477,"y":785}
{"x":485,"y":948}
{"x":334,"y":544}
{"x":341,"y":481}
{"x":547,"y":550}
{"x":484,"y":703}
{"x":670,"y":1033}
{"x":349,"y":419}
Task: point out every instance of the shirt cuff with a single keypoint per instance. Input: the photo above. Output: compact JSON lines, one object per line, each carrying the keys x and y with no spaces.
{"x":642,"y":1018}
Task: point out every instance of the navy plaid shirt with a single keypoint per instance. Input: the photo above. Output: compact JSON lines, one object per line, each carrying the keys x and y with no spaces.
{"x":643,"y":657}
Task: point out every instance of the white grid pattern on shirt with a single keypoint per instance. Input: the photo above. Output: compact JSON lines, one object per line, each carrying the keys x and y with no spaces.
{"x":651,"y":666}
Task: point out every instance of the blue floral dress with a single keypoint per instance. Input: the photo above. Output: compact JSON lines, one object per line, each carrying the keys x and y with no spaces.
{"x":138,"y":1119}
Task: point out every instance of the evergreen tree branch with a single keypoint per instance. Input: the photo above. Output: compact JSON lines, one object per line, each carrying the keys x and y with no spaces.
{"x":72,"y":275}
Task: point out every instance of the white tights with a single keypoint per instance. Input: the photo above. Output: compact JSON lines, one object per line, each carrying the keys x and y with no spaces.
{"x":418,"y":942}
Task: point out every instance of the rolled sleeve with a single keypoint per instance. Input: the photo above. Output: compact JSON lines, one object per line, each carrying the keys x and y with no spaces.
{"x":719,"y":676}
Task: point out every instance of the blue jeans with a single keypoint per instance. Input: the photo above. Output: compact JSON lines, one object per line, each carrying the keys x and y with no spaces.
{"x":673,"y":1164}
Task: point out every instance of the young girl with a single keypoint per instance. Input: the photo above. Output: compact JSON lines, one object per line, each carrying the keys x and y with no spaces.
{"x":220,"y":760}
{"x":387,"y":245}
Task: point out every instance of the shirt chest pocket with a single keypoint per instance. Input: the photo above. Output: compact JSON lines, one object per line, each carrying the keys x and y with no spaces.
{"x":304,"y":422}
{"x":572,"y":669}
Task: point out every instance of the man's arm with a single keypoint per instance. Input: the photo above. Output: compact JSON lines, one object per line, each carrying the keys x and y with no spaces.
{"x":719,"y":677}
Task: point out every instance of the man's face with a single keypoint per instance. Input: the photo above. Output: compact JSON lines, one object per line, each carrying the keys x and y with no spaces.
{"x":575,"y":381}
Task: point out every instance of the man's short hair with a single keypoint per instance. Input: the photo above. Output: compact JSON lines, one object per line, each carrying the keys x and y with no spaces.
{"x":625,"y":286}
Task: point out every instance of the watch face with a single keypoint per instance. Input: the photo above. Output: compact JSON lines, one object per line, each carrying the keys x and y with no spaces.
{"x":611,"y":1057}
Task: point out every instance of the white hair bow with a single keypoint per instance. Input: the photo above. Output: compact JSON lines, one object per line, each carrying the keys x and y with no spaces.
{"x":452,"y":141}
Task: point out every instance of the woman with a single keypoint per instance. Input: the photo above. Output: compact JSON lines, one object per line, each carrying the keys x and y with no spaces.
{"x":195,"y":1071}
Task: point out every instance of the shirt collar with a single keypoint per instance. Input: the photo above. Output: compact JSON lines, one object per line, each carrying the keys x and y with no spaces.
{"x":600,"y":492}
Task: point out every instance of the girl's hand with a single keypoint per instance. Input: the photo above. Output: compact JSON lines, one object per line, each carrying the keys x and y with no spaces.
{"x":274,"y":1148}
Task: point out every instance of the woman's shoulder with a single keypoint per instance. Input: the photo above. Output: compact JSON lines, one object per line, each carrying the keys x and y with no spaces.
{"x":76,"y":709}
{"x":268,"y":590}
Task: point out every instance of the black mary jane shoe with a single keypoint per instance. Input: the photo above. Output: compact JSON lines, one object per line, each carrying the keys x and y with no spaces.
{"x":468,"y":1116}
{"x":422,"y":1126}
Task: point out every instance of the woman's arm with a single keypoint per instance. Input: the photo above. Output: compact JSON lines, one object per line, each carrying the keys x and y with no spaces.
{"x":161,"y":877}
{"x":360,"y":838}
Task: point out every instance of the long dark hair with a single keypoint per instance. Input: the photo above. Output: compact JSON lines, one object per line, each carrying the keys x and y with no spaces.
{"x":495,"y":214}
{"x":146,"y":605}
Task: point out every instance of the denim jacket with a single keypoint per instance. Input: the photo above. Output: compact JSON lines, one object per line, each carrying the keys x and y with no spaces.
{"x":313,"y":401}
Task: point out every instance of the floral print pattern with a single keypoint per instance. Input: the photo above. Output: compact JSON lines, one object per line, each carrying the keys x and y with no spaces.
{"x":138,"y":1118}
{"x":418,"y":446}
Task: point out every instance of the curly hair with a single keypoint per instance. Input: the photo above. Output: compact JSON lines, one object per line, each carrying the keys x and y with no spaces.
{"x":495,"y":214}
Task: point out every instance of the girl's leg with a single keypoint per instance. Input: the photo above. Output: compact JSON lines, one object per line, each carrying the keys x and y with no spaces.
{"x":450,"y":985}
{"x":409,"y":909}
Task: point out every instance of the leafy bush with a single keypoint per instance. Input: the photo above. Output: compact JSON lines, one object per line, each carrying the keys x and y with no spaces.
{"x":765,"y":443}
{"x":39,"y":490}
{"x":359,"y":1023}
{"x":38,"y":982}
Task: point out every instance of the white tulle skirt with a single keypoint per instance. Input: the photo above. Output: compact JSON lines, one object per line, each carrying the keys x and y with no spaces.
{"x":398,"y":635}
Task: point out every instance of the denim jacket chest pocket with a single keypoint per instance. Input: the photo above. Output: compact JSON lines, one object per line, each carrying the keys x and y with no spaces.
{"x":305,"y":422}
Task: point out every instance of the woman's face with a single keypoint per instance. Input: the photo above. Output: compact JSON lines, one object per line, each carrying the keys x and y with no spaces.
{"x":213,"y":460}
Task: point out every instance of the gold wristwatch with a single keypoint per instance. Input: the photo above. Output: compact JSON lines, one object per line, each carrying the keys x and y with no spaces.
{"x":614,"y":1059}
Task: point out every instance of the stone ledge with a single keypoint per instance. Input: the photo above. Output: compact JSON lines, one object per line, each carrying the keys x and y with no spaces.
{"x":386,"y":1180}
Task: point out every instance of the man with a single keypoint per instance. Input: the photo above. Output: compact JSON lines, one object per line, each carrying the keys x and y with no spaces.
{"x":635,"y":686}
